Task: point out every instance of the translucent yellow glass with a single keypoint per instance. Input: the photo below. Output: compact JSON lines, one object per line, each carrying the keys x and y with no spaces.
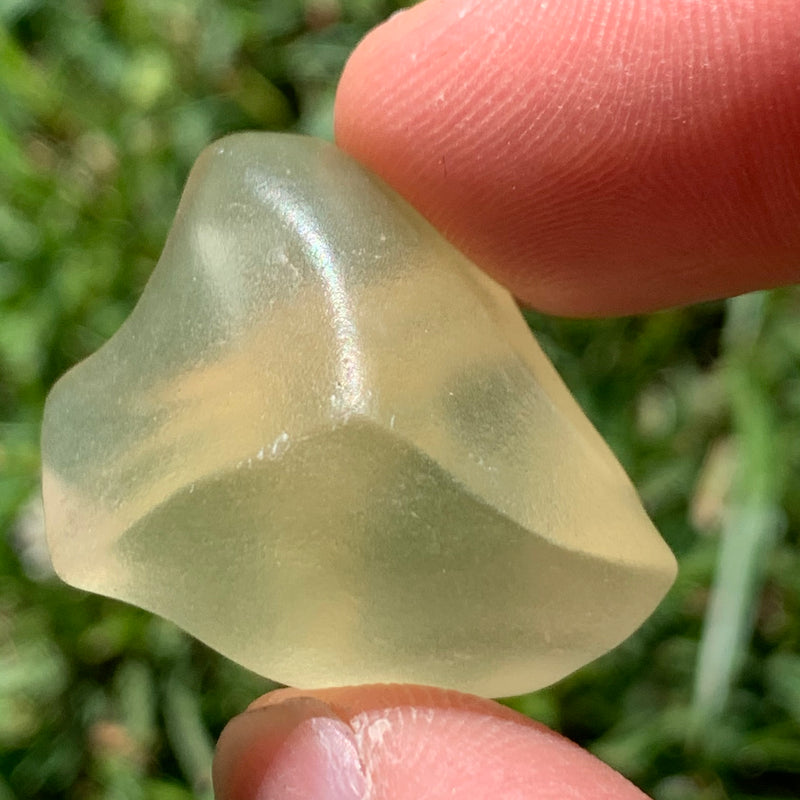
{"x":327,"y":445}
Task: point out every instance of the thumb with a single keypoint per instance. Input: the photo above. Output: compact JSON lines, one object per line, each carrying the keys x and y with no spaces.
{"x":401,"y":743}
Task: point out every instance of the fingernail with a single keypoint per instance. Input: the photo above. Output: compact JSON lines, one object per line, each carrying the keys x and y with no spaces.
{"x":297,"y":749}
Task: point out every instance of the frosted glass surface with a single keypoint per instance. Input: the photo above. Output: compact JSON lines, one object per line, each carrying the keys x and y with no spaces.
{"x":328,"y":446}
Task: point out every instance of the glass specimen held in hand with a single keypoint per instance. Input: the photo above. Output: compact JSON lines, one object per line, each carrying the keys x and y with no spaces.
{"x":328,"y":446}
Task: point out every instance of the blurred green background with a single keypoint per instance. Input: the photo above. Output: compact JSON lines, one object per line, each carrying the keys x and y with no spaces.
{"x":103,"y":108}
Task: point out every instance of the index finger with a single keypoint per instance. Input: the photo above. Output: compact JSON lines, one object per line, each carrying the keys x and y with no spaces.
{"x":598,"y":157}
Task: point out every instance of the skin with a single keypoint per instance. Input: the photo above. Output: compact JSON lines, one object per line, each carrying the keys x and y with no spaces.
{"x":598,"y":158}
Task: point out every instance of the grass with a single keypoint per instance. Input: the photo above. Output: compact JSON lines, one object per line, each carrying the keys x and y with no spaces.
{"x":103,"y":108}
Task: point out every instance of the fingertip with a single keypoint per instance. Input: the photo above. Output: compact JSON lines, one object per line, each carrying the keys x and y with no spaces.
{"x":405,"y":742}
{"x":596,"y":158}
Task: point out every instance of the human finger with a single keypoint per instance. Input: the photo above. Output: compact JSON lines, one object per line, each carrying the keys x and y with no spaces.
{"x":401,"y":743}
{"x":599,"y":157}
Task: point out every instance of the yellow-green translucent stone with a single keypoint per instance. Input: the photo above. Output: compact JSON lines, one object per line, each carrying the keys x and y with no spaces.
{"x":327,"y":445}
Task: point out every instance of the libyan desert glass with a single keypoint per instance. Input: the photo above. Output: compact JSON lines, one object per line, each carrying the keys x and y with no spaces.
{"x":328,"y":446}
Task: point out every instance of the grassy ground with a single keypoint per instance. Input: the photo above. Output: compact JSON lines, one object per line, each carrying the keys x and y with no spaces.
{"x":103,"y":108}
